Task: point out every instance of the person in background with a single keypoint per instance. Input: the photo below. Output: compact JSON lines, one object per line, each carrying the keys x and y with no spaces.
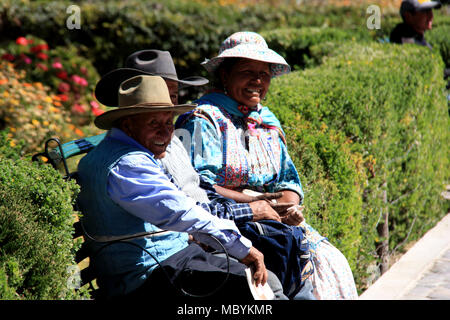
{"x":417,"y":16}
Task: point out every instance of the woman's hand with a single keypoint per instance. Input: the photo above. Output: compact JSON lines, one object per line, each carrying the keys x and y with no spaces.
{"x":291,"y":214}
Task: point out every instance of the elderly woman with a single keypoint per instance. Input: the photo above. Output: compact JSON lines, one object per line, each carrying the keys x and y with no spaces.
{"x":238,"y":145}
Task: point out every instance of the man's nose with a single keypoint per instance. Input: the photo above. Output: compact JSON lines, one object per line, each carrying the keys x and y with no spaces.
{"x":165,"y":129}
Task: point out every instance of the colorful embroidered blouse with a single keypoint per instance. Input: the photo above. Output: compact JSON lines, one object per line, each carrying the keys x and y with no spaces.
{"x":237,"y":148}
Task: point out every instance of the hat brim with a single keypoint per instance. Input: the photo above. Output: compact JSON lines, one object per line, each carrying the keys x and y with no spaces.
{"x":108,"y":86}
{"x":279,"y":66}
{"x":429,"y":5}
{"x":106,"y":120}
{"x":408,"y":7}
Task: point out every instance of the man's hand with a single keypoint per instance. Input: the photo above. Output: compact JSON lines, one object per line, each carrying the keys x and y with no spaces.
{"x":262,"y":209}
{"x":256,"y":259}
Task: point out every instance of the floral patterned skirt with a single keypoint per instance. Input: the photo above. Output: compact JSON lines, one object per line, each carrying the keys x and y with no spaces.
{"x":332,"y":278}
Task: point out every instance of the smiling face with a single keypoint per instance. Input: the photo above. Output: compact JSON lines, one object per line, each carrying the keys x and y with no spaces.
{"x":153,"y":130}
{"x":247,"y":81}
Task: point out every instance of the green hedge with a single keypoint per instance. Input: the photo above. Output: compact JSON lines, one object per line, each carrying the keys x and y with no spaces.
{"x":388,"y":104}
{"x":295,"y":44}
{"x":439,"y":38}
{"x":191,"y":30}
{"x":36,"y":217}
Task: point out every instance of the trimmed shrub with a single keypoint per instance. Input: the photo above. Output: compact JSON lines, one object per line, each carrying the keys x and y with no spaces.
{"x":36,"y":245}
{"x":439,"y":38}
{"x":388,"y":102}
{"x":295,"y":44}
{"x":190,"y":30}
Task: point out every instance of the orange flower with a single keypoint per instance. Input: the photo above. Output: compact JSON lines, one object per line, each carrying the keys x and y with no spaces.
{"x":79,"y":132}
{"x":3,"y":81}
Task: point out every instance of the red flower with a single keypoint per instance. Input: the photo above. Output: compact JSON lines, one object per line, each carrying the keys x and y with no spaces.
{"x":8,"y":57}
{"x":57,"y":65}
{"x":25,"y":58}
{"x":42,"y":56}
{"x":64,"y":87}
{"x":42,"y":66}
{"x":78,"y":108}
{"x":62,"y":75}
{"x":63,"y":97}
{"x":95,"y":108}
{"x":22,"y":41}
{"x":39,"y":48}
{"x":79,"y":80}
{"x":97,"y":112}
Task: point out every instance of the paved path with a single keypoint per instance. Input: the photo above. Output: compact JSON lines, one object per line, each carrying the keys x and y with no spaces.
{"x":422,"y":273}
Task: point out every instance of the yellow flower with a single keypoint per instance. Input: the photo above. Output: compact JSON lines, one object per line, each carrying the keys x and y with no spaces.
{"x":14,"y":102}
{"x":35,"y":122}
{"x":12,"y":143}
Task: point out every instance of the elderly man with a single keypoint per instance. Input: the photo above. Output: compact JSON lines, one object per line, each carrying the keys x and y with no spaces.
{"x":417,"y":18}
{"x":124,"y":191}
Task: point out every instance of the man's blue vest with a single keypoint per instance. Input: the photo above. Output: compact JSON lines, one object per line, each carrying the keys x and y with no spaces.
{"x":121,"y":267}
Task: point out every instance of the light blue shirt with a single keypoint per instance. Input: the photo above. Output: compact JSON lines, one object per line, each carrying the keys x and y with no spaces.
{"x":138,"y":184}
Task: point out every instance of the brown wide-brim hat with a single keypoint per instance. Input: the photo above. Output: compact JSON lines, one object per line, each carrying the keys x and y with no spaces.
{"x":141,"y":94}
{"x":145,"y":62}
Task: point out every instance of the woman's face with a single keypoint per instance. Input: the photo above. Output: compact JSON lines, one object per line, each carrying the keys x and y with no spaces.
{"x":247,"y":81}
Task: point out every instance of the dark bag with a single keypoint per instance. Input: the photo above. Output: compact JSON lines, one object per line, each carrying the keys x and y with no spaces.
{"x":192,"y":273}
{"x":285,"y":249}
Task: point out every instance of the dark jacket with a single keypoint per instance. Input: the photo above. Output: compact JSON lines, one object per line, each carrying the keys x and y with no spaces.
{"x":403,"y":33}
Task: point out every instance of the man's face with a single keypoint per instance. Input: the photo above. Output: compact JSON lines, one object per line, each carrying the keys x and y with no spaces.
{"x":420,"y":21}
{"x":153,"y":130}
{"x":173,"y":90}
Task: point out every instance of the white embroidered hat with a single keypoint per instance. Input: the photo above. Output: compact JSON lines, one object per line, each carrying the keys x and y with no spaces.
{"x":248,"y":45}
